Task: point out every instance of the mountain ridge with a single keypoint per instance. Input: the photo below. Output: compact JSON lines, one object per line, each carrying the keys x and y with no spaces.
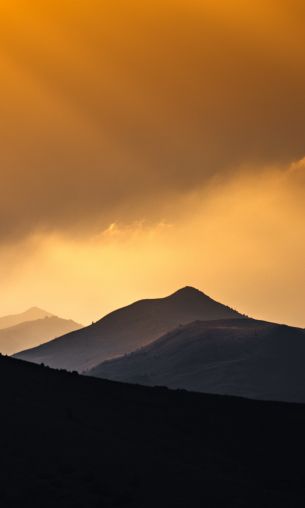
{"x":239,"y":357}
{"x":126,"y":329}
{"x":30,"y":314}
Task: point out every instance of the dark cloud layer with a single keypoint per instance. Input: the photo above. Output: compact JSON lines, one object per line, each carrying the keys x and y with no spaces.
{"x":111,"y":109}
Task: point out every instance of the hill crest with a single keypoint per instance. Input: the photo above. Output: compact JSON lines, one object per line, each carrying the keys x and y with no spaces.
{"x":127,"y":329}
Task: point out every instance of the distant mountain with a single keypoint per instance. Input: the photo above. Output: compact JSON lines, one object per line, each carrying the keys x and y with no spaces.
{"x":242,"y":357}
{"x":29,"y":315}
{"x":127,"y":329}
{"x":33,"y":333}
{"x":71,"y":441}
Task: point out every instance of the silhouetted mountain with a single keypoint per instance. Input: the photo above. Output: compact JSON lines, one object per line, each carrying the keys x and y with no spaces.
{"x":70,"y":441}
{"x":33,"y":333}
{"x":236,"y":357}
{"x":29,"y":315}
{"x":127,"y":329}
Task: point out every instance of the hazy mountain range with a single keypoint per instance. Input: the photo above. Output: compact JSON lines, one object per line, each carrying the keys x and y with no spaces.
{"x":29,"y":315}
{"x":127,"y":329}
{"x":28,"y":334}
{"x":71,"y":441}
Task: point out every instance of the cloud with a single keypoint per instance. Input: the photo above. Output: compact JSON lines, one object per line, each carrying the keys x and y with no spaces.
{"x":115,"y":112}
{"x":240,"y":241}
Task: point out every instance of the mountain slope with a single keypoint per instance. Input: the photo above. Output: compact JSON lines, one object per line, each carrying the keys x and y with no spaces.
{"x":29,"y":315}
{"x":76,"y":442}
{"x":127,"y":329}
{"x":236,"y":357}
{"x":33,"y":333}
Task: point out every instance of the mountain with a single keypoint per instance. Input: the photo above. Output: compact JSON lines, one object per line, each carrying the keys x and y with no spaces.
{"x":127,"y":329}
{"x":33,"y":333}
{"x":29,"y":315}
{"x":76,"y":442}
{"x":241,"y":357}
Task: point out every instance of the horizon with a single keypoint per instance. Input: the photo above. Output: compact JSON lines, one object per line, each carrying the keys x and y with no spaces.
{"x":101,"y":316}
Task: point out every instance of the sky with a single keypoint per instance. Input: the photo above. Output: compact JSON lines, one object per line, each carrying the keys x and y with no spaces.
{"x":145,"y":146}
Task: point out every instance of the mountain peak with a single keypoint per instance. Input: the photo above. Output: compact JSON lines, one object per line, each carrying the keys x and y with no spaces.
{"x":189,"y":291}
{"x":37,"y":309}
{"x":36,"y":313}
{"x":30,"y":314}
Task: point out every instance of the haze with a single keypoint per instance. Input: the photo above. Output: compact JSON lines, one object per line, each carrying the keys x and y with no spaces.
{"x":146,"y":146}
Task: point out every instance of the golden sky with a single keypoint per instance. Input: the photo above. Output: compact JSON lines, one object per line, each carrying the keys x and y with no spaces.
{"x":150,"y":145}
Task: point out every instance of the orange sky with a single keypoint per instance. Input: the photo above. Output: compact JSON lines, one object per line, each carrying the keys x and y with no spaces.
{"x":149,"y":145}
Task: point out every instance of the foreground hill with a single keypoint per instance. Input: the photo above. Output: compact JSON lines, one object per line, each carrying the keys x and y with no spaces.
{"x":29,"y":315}
{"x":127,"y":329}
{"x":235,"y":357}
{"x":33,"y":333}
{"x":74,"y":441}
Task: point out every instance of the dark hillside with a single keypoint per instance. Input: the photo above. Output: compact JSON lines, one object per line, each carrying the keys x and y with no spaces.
{"x":241,"y":357}
{"x":72,"y":441}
